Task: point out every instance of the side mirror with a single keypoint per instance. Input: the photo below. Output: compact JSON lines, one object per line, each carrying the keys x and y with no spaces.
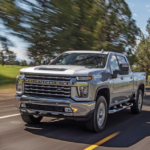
{"x":114,"y":76}
{"x":115,"y":72}
{"x":124,"y":68}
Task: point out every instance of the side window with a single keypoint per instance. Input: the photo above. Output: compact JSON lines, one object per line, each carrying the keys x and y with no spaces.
{"x":114,"y":63}
{"x":121,"y":59}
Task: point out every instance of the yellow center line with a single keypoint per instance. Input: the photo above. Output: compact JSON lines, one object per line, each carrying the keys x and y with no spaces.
{"x":102,"y":141}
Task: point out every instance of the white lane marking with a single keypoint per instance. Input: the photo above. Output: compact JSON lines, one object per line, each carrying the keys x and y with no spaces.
{"x":9,"y":116}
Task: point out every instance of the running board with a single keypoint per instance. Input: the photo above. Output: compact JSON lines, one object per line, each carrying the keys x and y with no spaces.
{"x":119,"y":109}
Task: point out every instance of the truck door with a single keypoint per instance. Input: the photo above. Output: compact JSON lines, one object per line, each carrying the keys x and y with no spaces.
{"x":127,"y":80}
{"x":117,"y":87}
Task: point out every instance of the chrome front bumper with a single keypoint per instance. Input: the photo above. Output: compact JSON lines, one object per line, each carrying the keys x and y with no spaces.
{"x":79,"y":109}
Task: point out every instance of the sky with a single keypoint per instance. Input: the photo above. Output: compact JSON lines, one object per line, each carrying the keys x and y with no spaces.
{"x":140,"y":12}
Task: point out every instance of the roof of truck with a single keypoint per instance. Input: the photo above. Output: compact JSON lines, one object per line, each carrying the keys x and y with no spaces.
{"x":87,"y":51}
{"x":91,"y":51}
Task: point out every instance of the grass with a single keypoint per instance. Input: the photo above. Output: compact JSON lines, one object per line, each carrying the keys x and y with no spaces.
{"x":8,"y":74}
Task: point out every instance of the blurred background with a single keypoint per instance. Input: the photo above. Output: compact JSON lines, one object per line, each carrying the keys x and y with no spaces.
{"x":31,"y":31}
{"x":35,"y":30}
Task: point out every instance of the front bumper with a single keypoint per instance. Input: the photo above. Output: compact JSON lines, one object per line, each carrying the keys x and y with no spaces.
{"x":79,"y":109}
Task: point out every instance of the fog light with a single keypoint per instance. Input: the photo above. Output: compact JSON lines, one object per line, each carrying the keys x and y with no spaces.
{"x":23,"y":105}
{"x":68,"y":110}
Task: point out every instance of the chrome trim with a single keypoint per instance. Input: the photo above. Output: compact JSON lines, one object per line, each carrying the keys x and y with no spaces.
{"x":81,"y":84}
{"x":72,"y":82}
{"x":79,"y":108}
{"x":47,"y":94}
{"x":47,"y":90}
{"x":32,"y":76}
{"x":43,"y":112}
{"x":44,"y":86}
{"x":116,"y":110}
{"x":120,"y":102}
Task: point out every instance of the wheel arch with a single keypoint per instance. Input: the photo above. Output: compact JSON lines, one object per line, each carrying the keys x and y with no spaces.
{"x":103,"y":91}
{"x":141,"y":86}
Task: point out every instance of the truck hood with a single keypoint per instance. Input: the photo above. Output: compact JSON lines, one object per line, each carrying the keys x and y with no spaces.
{"x":62,"y":70}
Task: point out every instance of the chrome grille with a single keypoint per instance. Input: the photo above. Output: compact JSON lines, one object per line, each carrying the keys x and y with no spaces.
{"x":47,"y":77}
{"x":47,"y":90}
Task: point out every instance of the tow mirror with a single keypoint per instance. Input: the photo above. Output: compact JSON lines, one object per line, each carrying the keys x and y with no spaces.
{"x":124,"y":68}
{"x":114,"y":76}
{"x":115,"y":72}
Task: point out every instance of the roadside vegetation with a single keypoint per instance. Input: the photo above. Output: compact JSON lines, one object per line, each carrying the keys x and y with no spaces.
{"x":8,"y":74}
{"x":52,"y":27}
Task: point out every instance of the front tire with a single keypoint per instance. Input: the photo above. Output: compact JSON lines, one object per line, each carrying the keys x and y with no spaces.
{"x":98,"y":121}
{"x":30,"y":119}
{"x":137,"y":105}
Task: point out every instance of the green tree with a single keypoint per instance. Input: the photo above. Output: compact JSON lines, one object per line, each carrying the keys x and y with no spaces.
{"x":17,"y":62}
{"x":23,"y":63}
{"x":6,"y":56}
{"x":148,"y":26}
{"x":31,"y":63}
{"x":143,"y":55}
{"x":54,"y":26}
{"x":116,"y":30}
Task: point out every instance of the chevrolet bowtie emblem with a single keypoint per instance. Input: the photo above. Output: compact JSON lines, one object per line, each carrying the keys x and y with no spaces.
{"x":58,"y":89}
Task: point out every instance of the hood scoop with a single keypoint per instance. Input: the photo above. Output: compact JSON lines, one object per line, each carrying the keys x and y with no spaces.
{"x":55,"y":69}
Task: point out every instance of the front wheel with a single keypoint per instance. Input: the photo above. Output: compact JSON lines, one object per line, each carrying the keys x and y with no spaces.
{"x":31,"y":119}
{"x":98,"y":121}
{"x":137,"y":105}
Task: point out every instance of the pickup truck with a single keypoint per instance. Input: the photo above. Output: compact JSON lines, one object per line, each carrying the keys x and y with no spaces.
{"x":81,"y":85}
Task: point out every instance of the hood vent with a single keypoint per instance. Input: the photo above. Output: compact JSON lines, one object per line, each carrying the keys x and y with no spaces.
{"x":55,"y":69}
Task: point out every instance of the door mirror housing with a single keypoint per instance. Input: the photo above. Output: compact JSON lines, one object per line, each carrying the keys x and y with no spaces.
{"x":124,"y":68}
{"x":115,"y":72}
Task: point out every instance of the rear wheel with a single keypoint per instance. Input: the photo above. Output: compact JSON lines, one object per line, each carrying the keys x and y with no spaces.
{"x":137,"y":105}
{"x":31,"y":119}
{"x":98,"y":121}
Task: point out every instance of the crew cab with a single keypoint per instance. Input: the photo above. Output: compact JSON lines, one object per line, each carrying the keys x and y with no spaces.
{"x":81,"y":85}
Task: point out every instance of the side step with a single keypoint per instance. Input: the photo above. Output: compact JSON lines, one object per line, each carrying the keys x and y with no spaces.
{"x":119,"y":109}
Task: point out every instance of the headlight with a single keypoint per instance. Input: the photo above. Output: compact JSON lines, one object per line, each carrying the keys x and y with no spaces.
{"x":19,"y":89}
{"x":83,"y":91}
{"x":83,"y":78}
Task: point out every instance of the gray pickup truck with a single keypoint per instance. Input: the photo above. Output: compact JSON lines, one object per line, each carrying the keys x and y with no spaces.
{"x":81,"y":85}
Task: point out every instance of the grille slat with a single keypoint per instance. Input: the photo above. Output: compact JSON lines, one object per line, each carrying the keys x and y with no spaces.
{"x":43,"y":90}
{"x":47,"y":77}
{"x":46,"y":86}
{"x":52,"y":91}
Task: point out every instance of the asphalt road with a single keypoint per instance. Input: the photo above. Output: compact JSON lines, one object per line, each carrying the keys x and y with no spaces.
{"x":54,"y":134}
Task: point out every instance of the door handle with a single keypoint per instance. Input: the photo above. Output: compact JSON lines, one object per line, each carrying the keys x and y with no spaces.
{"x":121,"y":78}
{"x":131,"y":77}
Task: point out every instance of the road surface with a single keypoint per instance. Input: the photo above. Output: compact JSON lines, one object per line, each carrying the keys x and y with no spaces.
{"x":124,"y":131}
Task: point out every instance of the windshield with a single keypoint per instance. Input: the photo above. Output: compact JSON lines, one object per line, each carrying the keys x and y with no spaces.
{"x":82,"y":59}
